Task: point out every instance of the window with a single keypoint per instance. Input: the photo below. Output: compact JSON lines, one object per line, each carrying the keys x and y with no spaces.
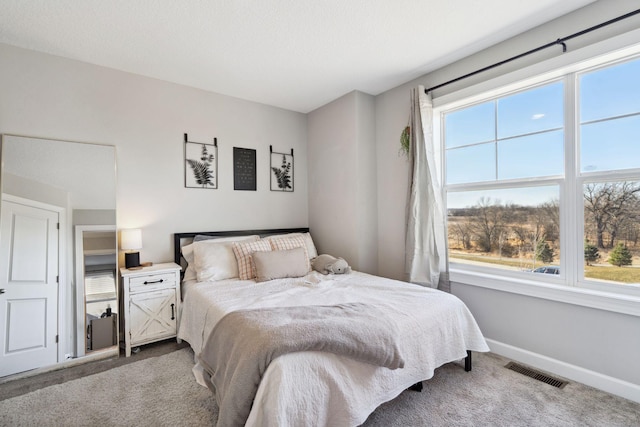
{"x":503,"y":183}
{"x":546,"y":179}
{"x":609,"y":125}
{"x":510,"y":131}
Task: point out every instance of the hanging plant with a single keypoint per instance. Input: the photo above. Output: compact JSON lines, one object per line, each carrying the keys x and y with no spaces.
{"x":405,"y":141}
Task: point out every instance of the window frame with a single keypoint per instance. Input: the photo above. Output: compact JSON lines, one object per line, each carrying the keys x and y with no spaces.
{"x":570,"y":286}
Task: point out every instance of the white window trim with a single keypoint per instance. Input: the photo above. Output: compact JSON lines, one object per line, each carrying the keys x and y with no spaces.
{"x":566,"y":289}
{"x":616,"y":302}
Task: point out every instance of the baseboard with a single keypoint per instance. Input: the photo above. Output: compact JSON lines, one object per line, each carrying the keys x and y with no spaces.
{"x":585,"y":376}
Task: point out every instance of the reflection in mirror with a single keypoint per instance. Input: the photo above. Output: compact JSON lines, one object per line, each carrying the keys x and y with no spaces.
{"x":96,"y":267}
{"x":63,"y":186}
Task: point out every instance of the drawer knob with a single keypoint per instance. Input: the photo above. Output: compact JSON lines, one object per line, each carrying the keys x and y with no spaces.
{"x":148,"y":282}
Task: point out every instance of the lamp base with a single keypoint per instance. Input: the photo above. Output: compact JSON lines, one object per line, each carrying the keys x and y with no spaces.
{"x":131,"y":259}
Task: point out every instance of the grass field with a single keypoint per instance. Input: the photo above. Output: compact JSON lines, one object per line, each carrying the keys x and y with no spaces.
{"x":616,"y":274}
{"x":599,"y":272}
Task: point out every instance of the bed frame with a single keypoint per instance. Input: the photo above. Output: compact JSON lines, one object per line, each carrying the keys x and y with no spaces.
{"x":181,"y":239}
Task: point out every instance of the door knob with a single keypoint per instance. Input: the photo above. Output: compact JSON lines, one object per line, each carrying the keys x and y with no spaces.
{"x":1,"y":291}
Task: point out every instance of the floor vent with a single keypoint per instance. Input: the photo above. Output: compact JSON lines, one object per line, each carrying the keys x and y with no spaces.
{"x":536,"y":375}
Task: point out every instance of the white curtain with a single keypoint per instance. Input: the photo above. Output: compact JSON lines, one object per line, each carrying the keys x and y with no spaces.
{"x":426,"y":250}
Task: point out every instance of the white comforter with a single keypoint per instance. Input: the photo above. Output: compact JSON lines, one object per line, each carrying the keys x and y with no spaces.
{"x":322,"y":389}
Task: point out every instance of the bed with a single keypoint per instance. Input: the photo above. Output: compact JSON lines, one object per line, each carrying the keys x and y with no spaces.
{"x":317,"y":387}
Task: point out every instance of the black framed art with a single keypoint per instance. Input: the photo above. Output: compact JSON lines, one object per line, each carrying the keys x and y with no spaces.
{"x":244,"y":169}
{"x":200,"y":164}
{"x":281,"y":171}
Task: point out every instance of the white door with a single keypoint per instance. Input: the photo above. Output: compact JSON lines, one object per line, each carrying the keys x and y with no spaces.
{"x":28,"y":279}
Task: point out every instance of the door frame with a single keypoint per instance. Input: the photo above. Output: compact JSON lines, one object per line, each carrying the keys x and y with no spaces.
{"x":62,"y":264}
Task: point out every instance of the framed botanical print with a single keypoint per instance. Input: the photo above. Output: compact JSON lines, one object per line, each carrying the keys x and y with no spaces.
{"x":200,"y":164}
{"x":281,"y":171}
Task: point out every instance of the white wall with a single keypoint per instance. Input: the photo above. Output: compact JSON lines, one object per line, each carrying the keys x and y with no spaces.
{"x":342,"y":195}
{"x":52,"y":97}
{"x":594,"y":346}
{"x":366,"y":193}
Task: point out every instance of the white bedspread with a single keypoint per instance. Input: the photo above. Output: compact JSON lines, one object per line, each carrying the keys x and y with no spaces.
{"x":322,"y":389}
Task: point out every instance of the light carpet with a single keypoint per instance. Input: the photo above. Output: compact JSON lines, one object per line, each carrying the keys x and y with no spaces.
{"x":161,"y":391}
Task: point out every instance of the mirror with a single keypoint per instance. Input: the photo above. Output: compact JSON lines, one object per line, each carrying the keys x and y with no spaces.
{"x":96,"y":267}
{"x":72,"y":186}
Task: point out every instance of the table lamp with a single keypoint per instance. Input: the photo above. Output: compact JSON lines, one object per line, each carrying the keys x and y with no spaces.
{"x":130,"y":242}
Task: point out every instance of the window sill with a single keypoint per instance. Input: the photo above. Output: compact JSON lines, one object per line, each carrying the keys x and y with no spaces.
{"x":617,"y":303}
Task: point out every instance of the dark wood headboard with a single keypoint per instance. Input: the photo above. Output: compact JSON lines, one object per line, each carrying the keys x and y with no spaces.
{"x":178,"y":237}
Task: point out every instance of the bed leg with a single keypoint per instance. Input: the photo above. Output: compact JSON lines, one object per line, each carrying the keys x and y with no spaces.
{"x":467,"y":361}
{"x":416,"y":387}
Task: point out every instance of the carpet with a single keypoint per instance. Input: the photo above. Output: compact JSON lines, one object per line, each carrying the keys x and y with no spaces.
{"x":160,"y":391}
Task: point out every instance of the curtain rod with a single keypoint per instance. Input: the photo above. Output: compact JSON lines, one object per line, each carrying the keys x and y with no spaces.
{"x":560,"y":41}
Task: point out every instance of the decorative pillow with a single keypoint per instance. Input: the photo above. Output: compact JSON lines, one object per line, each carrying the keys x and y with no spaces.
{"x":311,"y":247}
{"x":214,"y":260}
{"x":280,"y":264}
{"x":291,"y":242}
{"x":187,"y":250}
{"x":243,"y":252}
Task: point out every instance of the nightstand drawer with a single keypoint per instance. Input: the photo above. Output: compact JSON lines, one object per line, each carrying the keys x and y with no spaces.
{"x":151,"y":282}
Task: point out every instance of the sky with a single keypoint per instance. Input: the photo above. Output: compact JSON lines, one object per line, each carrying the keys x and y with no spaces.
{"x":522,"y":135}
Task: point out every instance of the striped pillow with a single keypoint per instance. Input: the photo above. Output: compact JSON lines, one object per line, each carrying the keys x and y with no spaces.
{"x":243,"y":251}
{"x":291,"y":242}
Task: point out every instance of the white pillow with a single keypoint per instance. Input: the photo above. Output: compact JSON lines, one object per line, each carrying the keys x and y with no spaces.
{"x":214,"y":261}
{"x":280,"y":264}
{"x":311,"y":247}
{"x":187,"y":250}
{"x":190,"y":273}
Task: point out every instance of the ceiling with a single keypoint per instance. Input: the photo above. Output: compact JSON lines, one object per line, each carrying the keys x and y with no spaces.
{"x":293,"y":54}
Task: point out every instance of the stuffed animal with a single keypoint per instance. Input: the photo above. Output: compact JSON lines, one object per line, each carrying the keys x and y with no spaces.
{"x":327,"y":264}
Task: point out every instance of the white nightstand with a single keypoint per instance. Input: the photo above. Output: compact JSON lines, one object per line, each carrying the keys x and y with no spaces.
{"x":151,"y":304}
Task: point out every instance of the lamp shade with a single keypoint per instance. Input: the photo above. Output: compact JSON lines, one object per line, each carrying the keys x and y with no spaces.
{"x":131,"y":239}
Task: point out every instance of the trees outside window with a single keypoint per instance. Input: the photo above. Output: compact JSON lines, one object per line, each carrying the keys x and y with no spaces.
{"x":591,"y":253}
{"x":611,"y":208}
{"x":620,"y":255}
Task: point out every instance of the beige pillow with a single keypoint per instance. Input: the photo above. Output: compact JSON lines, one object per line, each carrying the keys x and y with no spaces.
{"x":243,"y":252}
{"x":292,"y":242}
{"x":280,"y":264}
